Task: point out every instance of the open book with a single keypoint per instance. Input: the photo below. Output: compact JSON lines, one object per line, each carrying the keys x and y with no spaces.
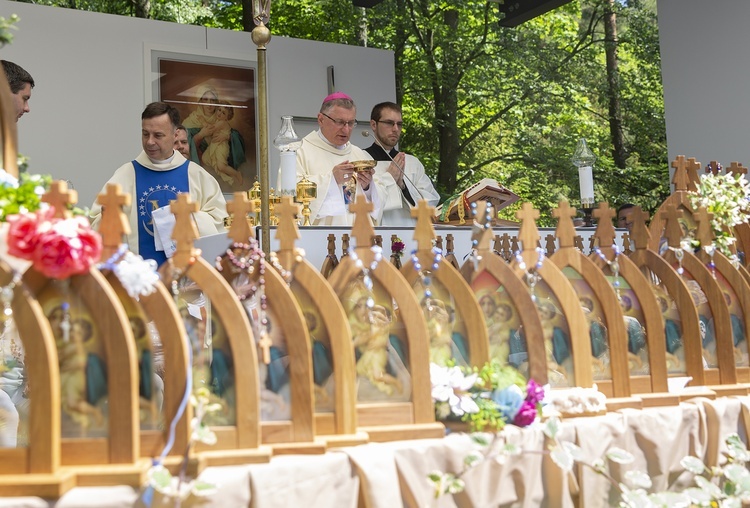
{"x":457,"y":210}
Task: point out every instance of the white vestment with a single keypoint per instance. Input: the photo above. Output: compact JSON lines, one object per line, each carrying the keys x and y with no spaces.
{"x":315,"y":160}
{"x":204,"y":190}
{"x":397,"y":209}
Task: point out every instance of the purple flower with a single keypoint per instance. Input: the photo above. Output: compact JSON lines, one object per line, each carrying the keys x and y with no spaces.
{"x":534,"y":392}
{"x":526,"y":415}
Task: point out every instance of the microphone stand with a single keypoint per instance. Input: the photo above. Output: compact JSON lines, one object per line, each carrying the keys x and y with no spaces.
{"x":403,"y":173}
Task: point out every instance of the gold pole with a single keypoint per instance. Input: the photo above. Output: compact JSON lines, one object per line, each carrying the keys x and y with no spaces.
{"x":261,"y":35}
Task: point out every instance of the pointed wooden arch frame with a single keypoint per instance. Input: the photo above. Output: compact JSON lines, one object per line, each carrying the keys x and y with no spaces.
{"x":466,"y":304}
{"x":564,"y":293}
{"x":498,"y":269}
{"x":35,"y":470}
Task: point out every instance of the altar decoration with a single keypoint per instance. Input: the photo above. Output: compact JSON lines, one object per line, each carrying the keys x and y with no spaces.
{"x":486,"y":398}
{"x":21,"y":195}
{"x":726,"y":197}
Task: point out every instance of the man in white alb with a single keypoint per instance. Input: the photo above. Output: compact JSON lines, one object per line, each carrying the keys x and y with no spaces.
{"x":403,"y":175}
{"x":326,"y":157}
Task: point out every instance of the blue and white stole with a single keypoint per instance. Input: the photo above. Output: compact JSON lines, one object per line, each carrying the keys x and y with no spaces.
{"x":156,"y":189}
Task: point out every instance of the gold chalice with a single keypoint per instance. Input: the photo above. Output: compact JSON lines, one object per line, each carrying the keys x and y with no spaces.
{"x":363,"y":165}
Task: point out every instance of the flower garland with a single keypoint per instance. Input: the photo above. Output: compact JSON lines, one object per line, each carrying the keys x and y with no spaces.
{"x":726,"y":197}
{"x":58,"y":248}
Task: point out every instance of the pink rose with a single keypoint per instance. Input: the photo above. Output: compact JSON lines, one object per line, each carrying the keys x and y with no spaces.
{"x":526,"y":415}
{"x":22,"y":237}
{"x":67,"y":248}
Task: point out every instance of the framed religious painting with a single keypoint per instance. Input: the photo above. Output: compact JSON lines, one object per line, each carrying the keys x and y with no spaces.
{"x":216,"y":97}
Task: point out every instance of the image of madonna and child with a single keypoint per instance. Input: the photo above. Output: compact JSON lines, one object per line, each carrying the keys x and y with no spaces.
{"x":214,"y":144}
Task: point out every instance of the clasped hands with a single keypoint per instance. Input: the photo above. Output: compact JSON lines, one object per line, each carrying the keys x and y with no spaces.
{"x":396,"y":169}
{"x":344,"y":171}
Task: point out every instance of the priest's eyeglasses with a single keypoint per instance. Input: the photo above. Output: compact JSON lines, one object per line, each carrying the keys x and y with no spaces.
{"x":340,"y":123}
{"x":390,"y":123}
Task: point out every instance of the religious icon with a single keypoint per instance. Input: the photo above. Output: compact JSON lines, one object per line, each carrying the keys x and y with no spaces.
{"x":83,"y":368}
{"x":379,"y":351}
{"x":217,"y":107}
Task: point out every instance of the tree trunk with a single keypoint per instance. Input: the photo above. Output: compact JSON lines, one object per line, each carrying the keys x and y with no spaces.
{"x":446,"y":111}
{"x":398,"y":53}
{"x":247,"y":16}
{"x":619,"y":153}
{"x":142,"y":8}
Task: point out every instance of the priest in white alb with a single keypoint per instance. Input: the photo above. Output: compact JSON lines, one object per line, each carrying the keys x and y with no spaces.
{"x":325,"y":158}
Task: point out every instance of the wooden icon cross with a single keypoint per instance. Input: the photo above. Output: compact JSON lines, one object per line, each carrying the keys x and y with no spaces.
{"x":362,"y":230}
{"x":287,"y":232}
{"x":640,"y":233}
{"x":59,"y":197}
{"x":528,"y":233}
{"x":114,"y":223}
{"x":185,"y":232}
{"x":680,"y":178}
{"x":605,"y":230}
{"x":565,"y":230}
{"x":424,"y":233}
{"x":672,"y":229}
{"x":240,"y":207}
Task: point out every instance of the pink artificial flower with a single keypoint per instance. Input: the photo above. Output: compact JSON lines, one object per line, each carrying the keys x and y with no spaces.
{"x":526,"y":415}
{"x":68,"y":247}
{"x":23,"y":234}
{"x":534,"y":392}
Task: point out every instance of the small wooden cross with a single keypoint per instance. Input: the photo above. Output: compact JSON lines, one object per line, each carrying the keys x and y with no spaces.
{"x":692,"y":167}
{"x":185,"y":232}
{"x":240,"y":207}
{"x":59,"y":197}
{"x":640,"y":233}
{"x":424,"y":233}
{"x":362,"y":230}
{"x":264,"y":344}
{"x":672,"y":229}
{"x":735,"y":168}
{"x":114,"y":223}
{"x":680,"y":178}
{"x":704,"y":232}
{"x":713,"y":168}
{"x":565,"y":230}
{"x":528,"y":233}
{"x":287,"y":232}
{"x":605,"y":231}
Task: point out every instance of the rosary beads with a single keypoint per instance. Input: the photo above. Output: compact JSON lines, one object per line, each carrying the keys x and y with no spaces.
{"x":532,"y":276}
{"x":426,"y":280}
{"x":614,"y":266}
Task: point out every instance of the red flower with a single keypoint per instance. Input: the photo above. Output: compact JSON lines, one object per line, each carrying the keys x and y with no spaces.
{"x":66,"y":247}
{"x":23,"y":234}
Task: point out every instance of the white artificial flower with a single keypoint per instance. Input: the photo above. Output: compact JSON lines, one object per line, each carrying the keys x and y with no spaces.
{"x":137,"y":275}
{"x":449,"y":384}
{"x":8,"y":180}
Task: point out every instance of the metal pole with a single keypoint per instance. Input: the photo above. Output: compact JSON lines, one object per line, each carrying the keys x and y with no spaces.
{"x":261,"y":35}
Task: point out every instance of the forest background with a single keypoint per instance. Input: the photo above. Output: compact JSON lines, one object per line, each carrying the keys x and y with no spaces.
{"x":485,"y":101}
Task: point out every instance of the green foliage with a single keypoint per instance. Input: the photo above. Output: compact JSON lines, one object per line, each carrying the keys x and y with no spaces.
{"x":482,"y":100}
{"x":25,"y":197}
